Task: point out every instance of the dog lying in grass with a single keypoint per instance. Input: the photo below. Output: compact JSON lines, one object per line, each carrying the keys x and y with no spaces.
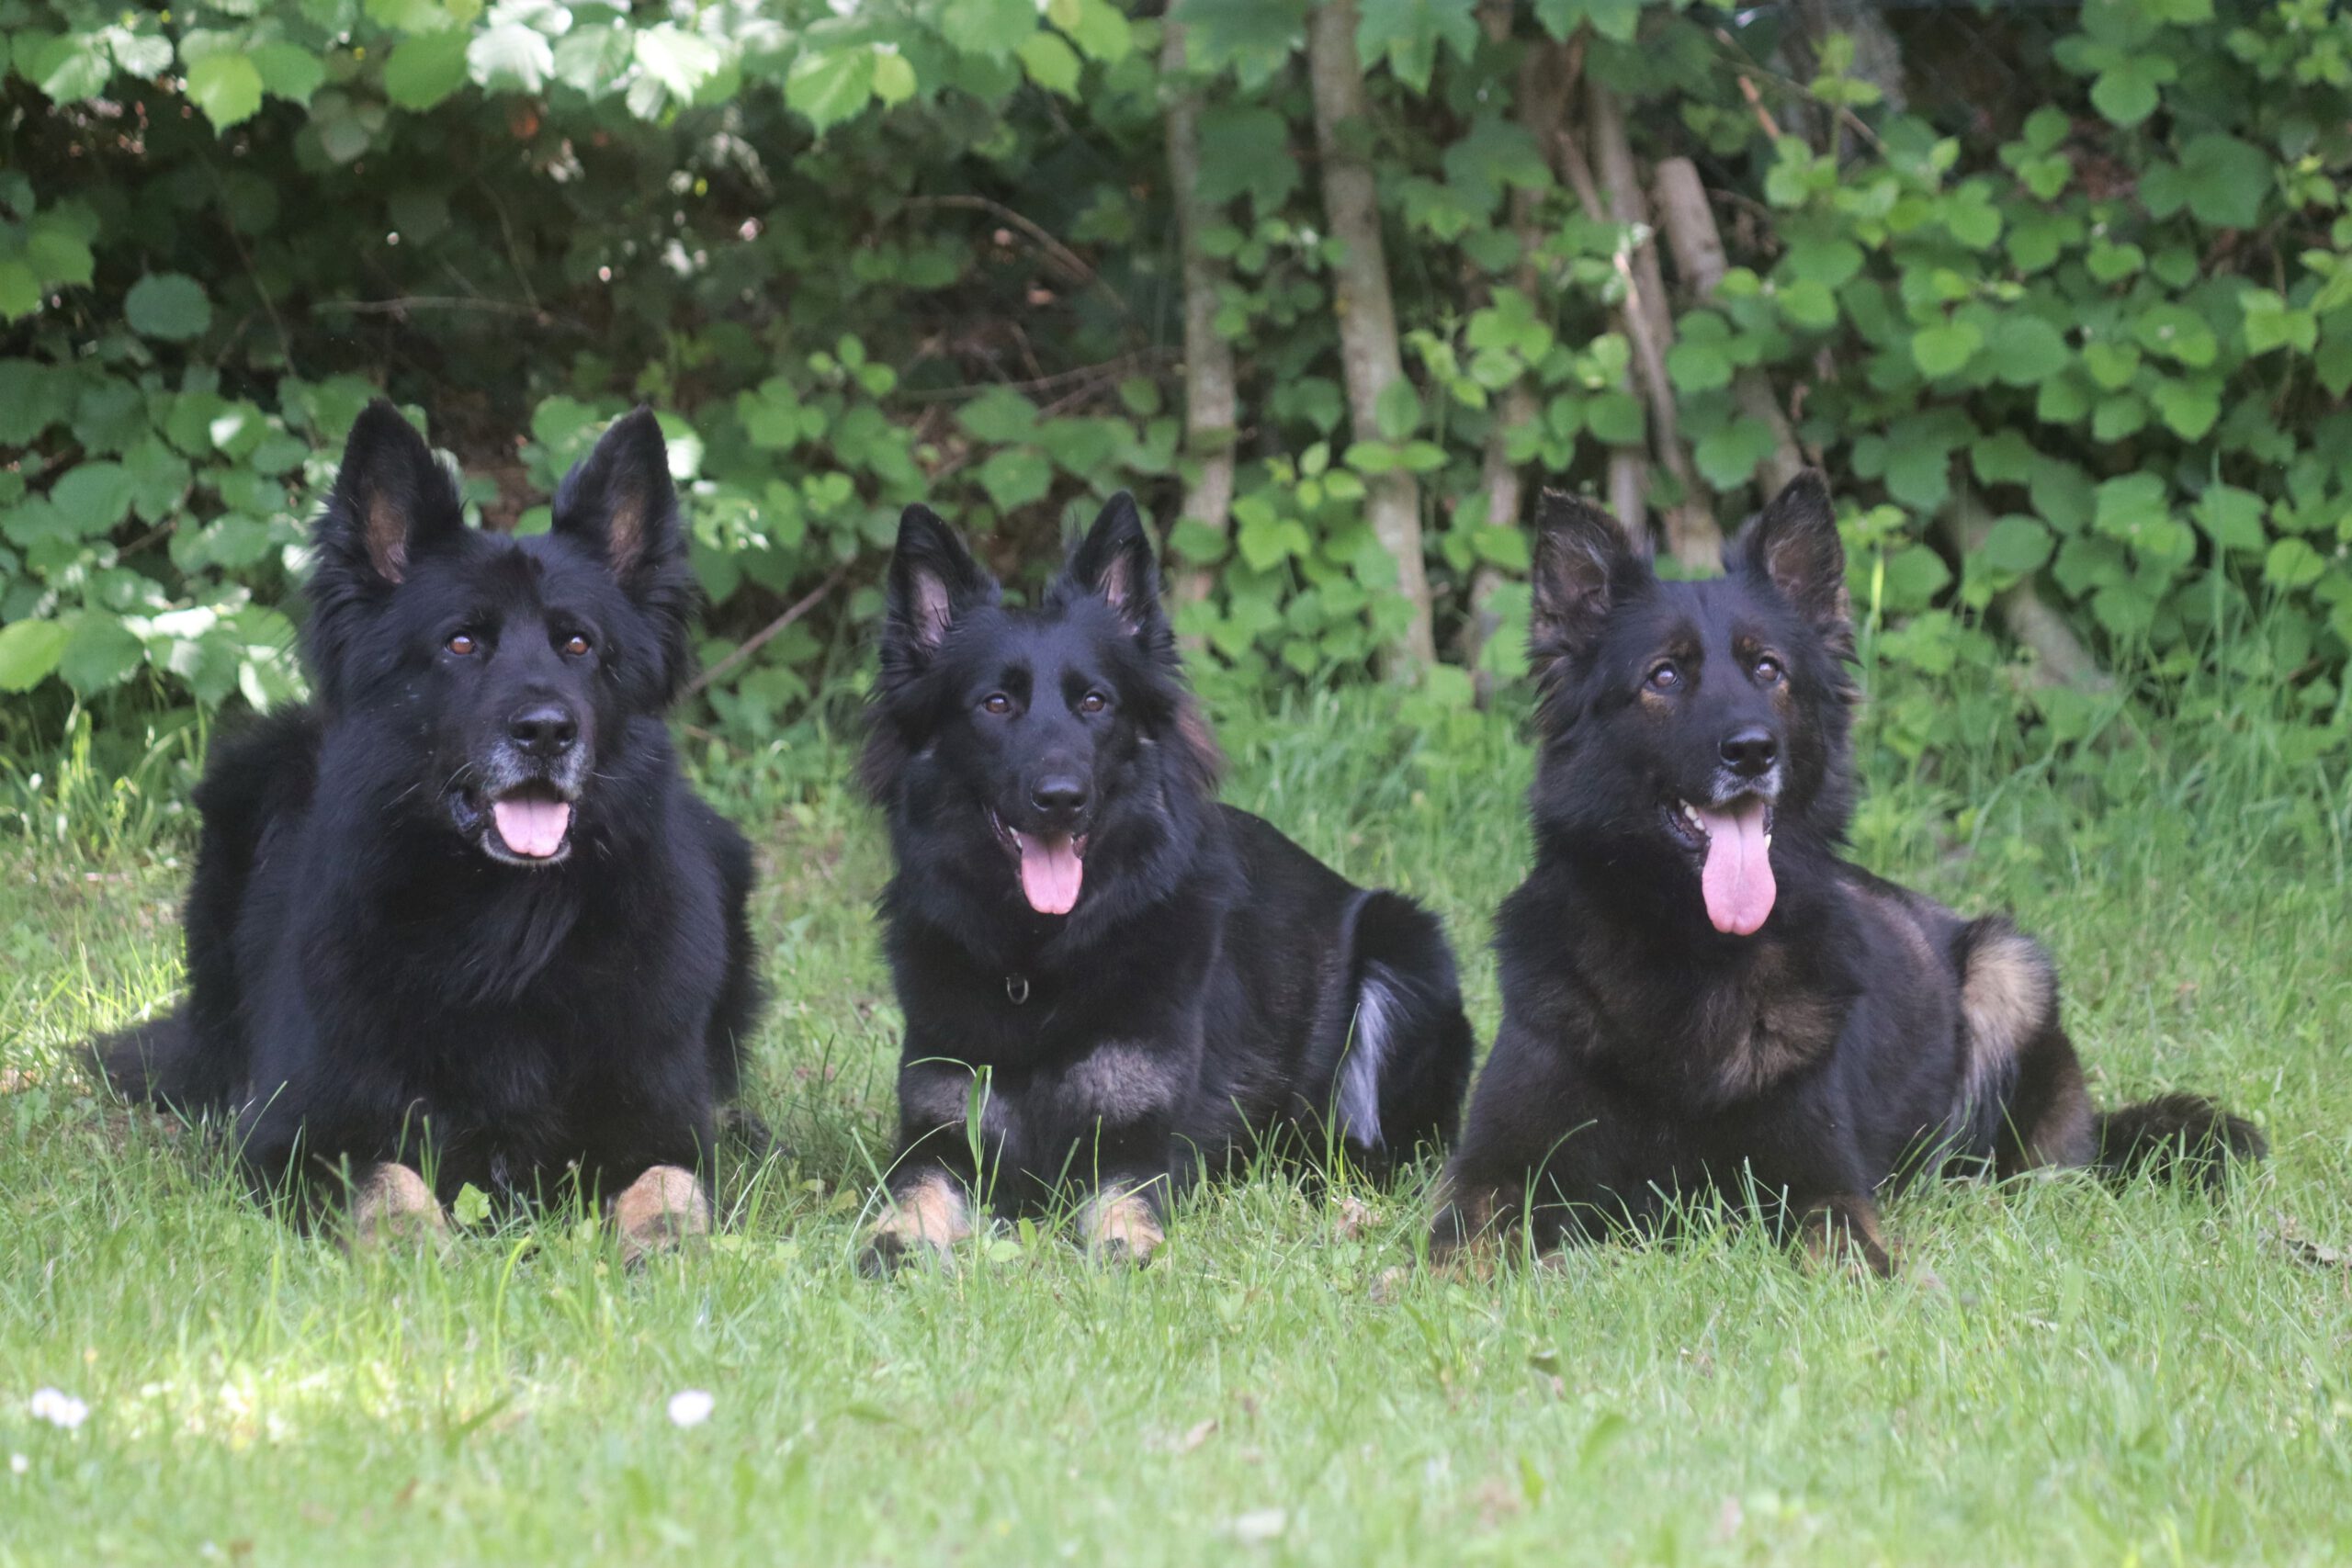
{"x":461,"y":917}
{"x":1112,"y":983}
{"x":1699,"y":995}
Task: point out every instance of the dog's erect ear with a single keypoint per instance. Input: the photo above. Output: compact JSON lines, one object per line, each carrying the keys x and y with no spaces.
{"x":1792,"y":544}
{"x":933,"y":582}
{"x":1584,"y":564}
{"x":1113,"y":563}
{"x":619,"y":499}
{"x":393,"y":503}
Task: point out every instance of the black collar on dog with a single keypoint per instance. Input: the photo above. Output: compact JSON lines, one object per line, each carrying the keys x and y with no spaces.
{"x":1016,"y":989}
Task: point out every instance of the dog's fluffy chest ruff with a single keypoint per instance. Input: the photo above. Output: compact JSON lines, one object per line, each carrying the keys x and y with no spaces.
{"x":1709,"y":1031}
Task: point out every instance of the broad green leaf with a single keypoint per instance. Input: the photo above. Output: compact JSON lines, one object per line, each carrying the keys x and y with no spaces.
{"x":1399,"y":410}
{"x":28,"y":652}
{"x":19,"y":288}
{"x":425,"y":70}
{"x":511,"y":56}
{"x":2232,"y":518}
{"x":682,"y":61}
{"x":2126,"y":92}
{"x":2026,"y":350}
{"x":1941,"y":349}
{"x":227,"y":87}
{"x":58,"y":254}
{"x":993,"y":28}
{"x":999,"y":417}
{"x":99,"y":652}
{"x":167,"y":305}
{"x":2017,"y":546}
{"x":2293,"y":564}
{"x":1246,"y":149}
{"x":1612,"y":19}
{"x":71,"y":67}
{"x":894,"y":78}
{"x":1050,"y":63}
{"x":1100,"y":27}
{"x":829,"y":87}
{"x":1016,"y":476}
{"x":92,"y":497}
{"x":289,"y":71}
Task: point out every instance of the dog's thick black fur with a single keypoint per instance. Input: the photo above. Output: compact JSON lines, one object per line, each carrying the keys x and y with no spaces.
{"x":1111,"y":982}
{"x":1698,"y":993}
{"x":462,"y":912}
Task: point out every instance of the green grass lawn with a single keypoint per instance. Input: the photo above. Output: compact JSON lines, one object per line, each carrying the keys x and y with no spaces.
{"x":2141,"y":1377}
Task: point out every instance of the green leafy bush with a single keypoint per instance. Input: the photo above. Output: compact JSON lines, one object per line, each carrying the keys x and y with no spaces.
{"x":863,"y":254}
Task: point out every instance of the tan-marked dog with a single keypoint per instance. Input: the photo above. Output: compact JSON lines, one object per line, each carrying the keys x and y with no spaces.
{"x":1699,"y":994}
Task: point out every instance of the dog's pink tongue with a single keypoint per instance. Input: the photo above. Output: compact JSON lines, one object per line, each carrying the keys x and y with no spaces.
{"x":1738,"y":879}
{"x":532,"y":825}
{"x":1050,"y":872}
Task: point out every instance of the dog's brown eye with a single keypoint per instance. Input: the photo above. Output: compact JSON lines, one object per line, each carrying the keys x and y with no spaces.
{"x":575,"y":645}
{"x":997,"y":703}
{"x":462,"y":645}
{"x":1665,"y":675}
{"x":1768,"y":669}
{"x":1094,"y":702}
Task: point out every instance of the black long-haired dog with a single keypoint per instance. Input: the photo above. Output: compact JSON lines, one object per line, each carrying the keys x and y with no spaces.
{"x":461,"y":914}
{"x":1698,"y":993}
{"x":1111,"y":982}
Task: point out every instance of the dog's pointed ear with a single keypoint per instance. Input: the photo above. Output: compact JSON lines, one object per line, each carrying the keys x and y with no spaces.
{"x":933,"y":582}
{"x":1792,"y":544}
{"x":1585,"y":563}
{"x":393,"y":503}
{"x":1115,"y":563}
{"x":619,"y":502}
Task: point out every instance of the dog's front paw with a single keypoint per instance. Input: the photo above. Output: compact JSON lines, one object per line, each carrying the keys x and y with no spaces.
{"x":924,"y":1222}
{"x":391,"y":1203}
{"x":660,"y":1210}
{"x":1120,"y":1227}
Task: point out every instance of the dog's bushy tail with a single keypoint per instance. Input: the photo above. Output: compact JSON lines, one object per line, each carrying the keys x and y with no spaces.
{"x":1409,"y":1049}
{"x":2184,"y":1138}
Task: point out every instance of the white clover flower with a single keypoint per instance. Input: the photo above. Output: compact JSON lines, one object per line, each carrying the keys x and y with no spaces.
{"x":691,"y":1408}
{"x":59,"y":1408}
{"x":18,"y":1465}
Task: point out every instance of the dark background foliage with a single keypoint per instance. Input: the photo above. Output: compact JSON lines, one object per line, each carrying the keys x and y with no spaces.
{"x":2058,"y":295}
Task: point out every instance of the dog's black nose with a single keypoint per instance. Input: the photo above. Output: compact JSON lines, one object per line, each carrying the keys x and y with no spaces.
{"x":544,"y":729}
{"x":1059,"y":795}
{"x":1750,"y":752}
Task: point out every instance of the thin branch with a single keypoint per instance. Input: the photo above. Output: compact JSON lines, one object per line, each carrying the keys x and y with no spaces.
{"x":767,"y":634}
{"x":407,"y":303}
{"x":1071,"y":264}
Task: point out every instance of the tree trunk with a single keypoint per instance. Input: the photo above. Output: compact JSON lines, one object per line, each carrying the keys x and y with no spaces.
{"x":1369,"y":359}
{"x":1698,"y":249}
{"x":1540,"y":96}
{"x":1210,"y":401}
{"x":1691,"y":532}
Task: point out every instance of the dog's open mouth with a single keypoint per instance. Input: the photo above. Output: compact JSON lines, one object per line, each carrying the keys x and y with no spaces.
{"x":1052,"y":865}
{"x":529,"y":824}
{"x":1734,"y":843}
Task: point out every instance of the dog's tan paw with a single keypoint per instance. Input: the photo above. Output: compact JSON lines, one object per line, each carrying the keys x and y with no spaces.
{"x":391,"y":1203}
{"x":1120,"y":1227}
{"x":657,"y":1211}
{"x":925,"y":1220}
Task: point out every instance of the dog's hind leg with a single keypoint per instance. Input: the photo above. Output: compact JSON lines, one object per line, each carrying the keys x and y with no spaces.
{"x":661,"y":1209}
{"x":1405,"y":1060}
{"x":2023,"y":1085}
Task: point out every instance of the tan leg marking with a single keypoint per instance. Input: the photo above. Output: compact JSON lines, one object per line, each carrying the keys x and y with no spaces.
{"x":659,"y":1210}
{"x":927,"y":1218}
{"x":392,"y":1203}
{"x":1119,"y":1226}
{"x":1843,"y":1231}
